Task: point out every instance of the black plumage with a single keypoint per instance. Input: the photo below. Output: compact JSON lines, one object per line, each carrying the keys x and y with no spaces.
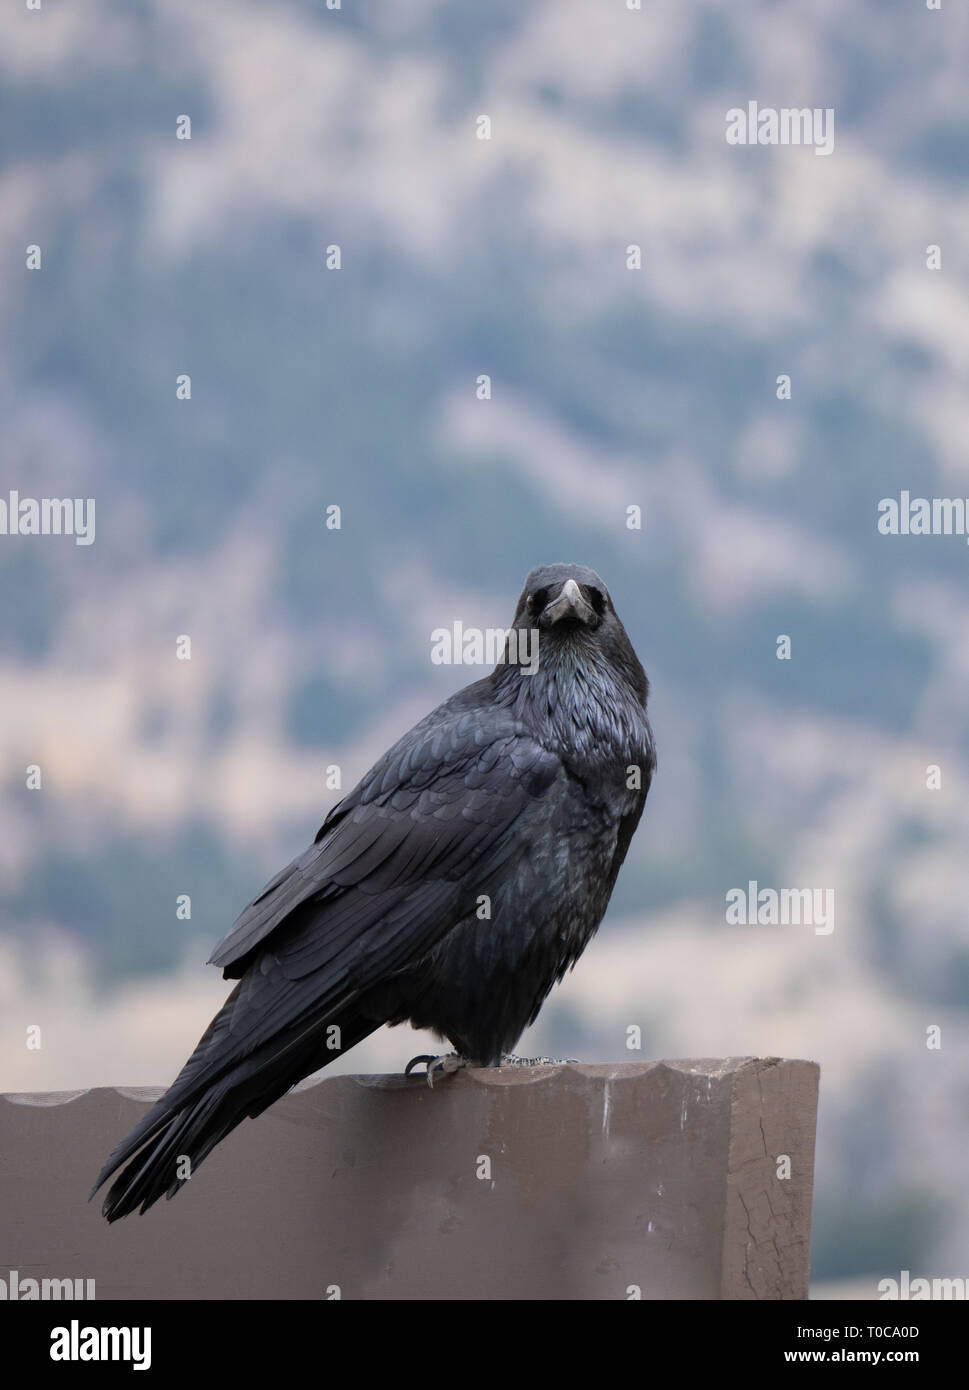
{"x":451,"y":888}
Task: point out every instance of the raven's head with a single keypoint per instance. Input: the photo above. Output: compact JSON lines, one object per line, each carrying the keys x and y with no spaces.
{"x":567,"y":609}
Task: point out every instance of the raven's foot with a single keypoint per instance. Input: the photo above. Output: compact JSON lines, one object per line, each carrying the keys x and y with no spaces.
{"x":508,"y":1059}
{"x":450,"y":1062}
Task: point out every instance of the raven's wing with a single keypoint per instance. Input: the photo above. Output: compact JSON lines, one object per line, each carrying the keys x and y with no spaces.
{"x":433,"y":808}
{"x":397,"y":864}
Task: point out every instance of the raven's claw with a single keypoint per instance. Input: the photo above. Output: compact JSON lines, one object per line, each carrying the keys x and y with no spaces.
{"x":447,"y":1064}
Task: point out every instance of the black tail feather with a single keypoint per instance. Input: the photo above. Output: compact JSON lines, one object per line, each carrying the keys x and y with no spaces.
{"x":179,"y":1127}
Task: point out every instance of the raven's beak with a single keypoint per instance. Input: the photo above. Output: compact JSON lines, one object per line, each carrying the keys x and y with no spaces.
{"x":569,"y":604}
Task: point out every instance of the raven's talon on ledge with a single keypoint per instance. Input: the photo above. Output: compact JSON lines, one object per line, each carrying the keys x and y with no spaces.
{"x":447,"y":1064}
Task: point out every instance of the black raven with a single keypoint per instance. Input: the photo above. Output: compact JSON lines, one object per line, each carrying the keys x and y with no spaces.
{"x":452,"y":888}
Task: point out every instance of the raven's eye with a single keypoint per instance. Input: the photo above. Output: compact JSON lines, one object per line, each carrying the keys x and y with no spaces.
{"x":538,"y":600}
{"x":597,"y":599}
